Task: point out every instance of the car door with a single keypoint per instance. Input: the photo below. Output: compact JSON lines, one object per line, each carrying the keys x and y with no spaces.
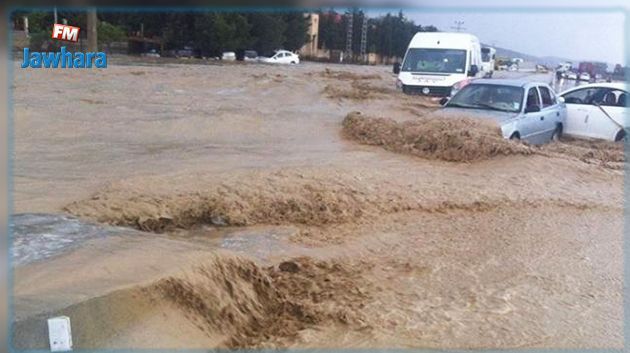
{"x":282,"y":58}
{"x":608,"y":114}
{"x":578,"y":103}
{"x":550,"y":112}
{"x":530,"y":124}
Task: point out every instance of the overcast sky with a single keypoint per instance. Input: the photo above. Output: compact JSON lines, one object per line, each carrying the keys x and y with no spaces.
{"x":571,"y":32}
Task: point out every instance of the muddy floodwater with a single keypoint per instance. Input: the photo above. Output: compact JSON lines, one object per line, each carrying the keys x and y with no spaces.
{"x":198,"y":205}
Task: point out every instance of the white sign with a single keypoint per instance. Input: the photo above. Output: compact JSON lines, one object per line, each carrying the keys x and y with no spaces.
{"x":60,"y":334}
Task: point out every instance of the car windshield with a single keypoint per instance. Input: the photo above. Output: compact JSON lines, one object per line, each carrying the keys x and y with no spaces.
{"x":435,"y":60}
{"x":489,"y":96}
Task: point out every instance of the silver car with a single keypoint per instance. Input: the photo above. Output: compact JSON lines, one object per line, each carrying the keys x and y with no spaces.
{"x":525,"y":110}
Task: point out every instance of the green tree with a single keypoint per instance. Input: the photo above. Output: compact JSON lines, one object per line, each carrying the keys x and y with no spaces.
{"x":267,"y":31}
{"x":179,"y":30}
{"x":332,"y":30}
{"x":296,"y":32}
{"x":218,"y":32}
{"x":108,"y":33}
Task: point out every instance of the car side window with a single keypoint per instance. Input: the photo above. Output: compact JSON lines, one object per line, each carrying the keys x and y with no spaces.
{"x":547,"y":101}
{"x":622,"y":99}
{"x":614,"y":98}
{"x":581,"y":96}
{"x":532,"y":98}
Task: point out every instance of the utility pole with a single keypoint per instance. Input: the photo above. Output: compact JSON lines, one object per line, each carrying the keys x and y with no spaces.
{"x":91,"y":30}
{"x":364,"y":29}
{"x":55,"y":14}
{"x":458,"y":26}
{"x":349,"y":36}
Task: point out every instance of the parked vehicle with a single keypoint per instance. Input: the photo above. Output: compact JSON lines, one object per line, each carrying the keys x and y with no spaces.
{"x":488,"y":56}
{"x":151,"y":54}
{"x":525,"y":110}
{"x":597,"y":110}
{"x":250,"y":55}
{"x":585,"y":76}
{"x":572,"y":75}
{"x":246,"y":55}
{"x":228,"y":56}
{"x":435,"y":61}
{"x":541,"y":68}
{"x":187,"y":52}
{"x":282,"y":57}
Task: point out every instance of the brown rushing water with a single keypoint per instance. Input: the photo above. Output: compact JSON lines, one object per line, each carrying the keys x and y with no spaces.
{"x":330,"y":243}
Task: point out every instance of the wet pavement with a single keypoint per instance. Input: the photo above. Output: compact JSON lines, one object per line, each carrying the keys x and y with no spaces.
{"x":559,"y":86}
{"x":40,"y":236}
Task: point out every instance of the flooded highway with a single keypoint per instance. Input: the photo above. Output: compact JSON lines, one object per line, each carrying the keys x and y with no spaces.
{"x":204,"y":213}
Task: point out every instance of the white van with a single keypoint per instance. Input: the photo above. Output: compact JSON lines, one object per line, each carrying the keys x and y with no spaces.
{"x":488,"y":55}
{"x":436,"y":61}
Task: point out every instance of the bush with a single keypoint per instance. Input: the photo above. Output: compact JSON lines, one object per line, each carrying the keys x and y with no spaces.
{"x":108,"y":33}
{"x":41,"y":40}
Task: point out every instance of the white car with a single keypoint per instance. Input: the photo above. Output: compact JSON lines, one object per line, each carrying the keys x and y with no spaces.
{"x":585,"y":76}
{"x":571,"y":75}
{"x":597,"y":110}
{"x":282,"y":57}
{"x":151,"y":54}
{"x":228,"y":56}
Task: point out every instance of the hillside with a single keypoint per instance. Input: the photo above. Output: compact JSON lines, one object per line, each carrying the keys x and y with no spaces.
{"x":545,"y":60}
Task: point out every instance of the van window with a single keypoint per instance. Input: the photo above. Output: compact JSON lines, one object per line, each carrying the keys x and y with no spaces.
{"x":435,"y":60}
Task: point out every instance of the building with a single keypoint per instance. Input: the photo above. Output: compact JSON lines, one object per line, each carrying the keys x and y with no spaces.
{"x":310,"y":48}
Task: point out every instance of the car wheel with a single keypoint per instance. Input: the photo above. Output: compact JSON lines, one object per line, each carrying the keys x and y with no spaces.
{"x":293,"y":62}
{"x":557,"y":133}
{"x":621,"y":136}
{"x":515,"y":136}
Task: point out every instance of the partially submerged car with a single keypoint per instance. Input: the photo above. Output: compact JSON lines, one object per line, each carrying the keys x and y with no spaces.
{"x":228,"y":56}
{"x":585,"y":76}
{"x":282,"y":57}
{"x":597,"y":110}
{"x":153,"y":53}
{"x":524,"y":110}
{"x":250,"y":55}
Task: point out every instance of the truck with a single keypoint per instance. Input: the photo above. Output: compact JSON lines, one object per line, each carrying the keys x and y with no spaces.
{"x":488,"y":56}
{"x":437,"y":63}
{"x":593,"y":68}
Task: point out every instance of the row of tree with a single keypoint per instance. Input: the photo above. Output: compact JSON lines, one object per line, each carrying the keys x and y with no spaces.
{"x":211,"y":33}
{"x":387,"y":35}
